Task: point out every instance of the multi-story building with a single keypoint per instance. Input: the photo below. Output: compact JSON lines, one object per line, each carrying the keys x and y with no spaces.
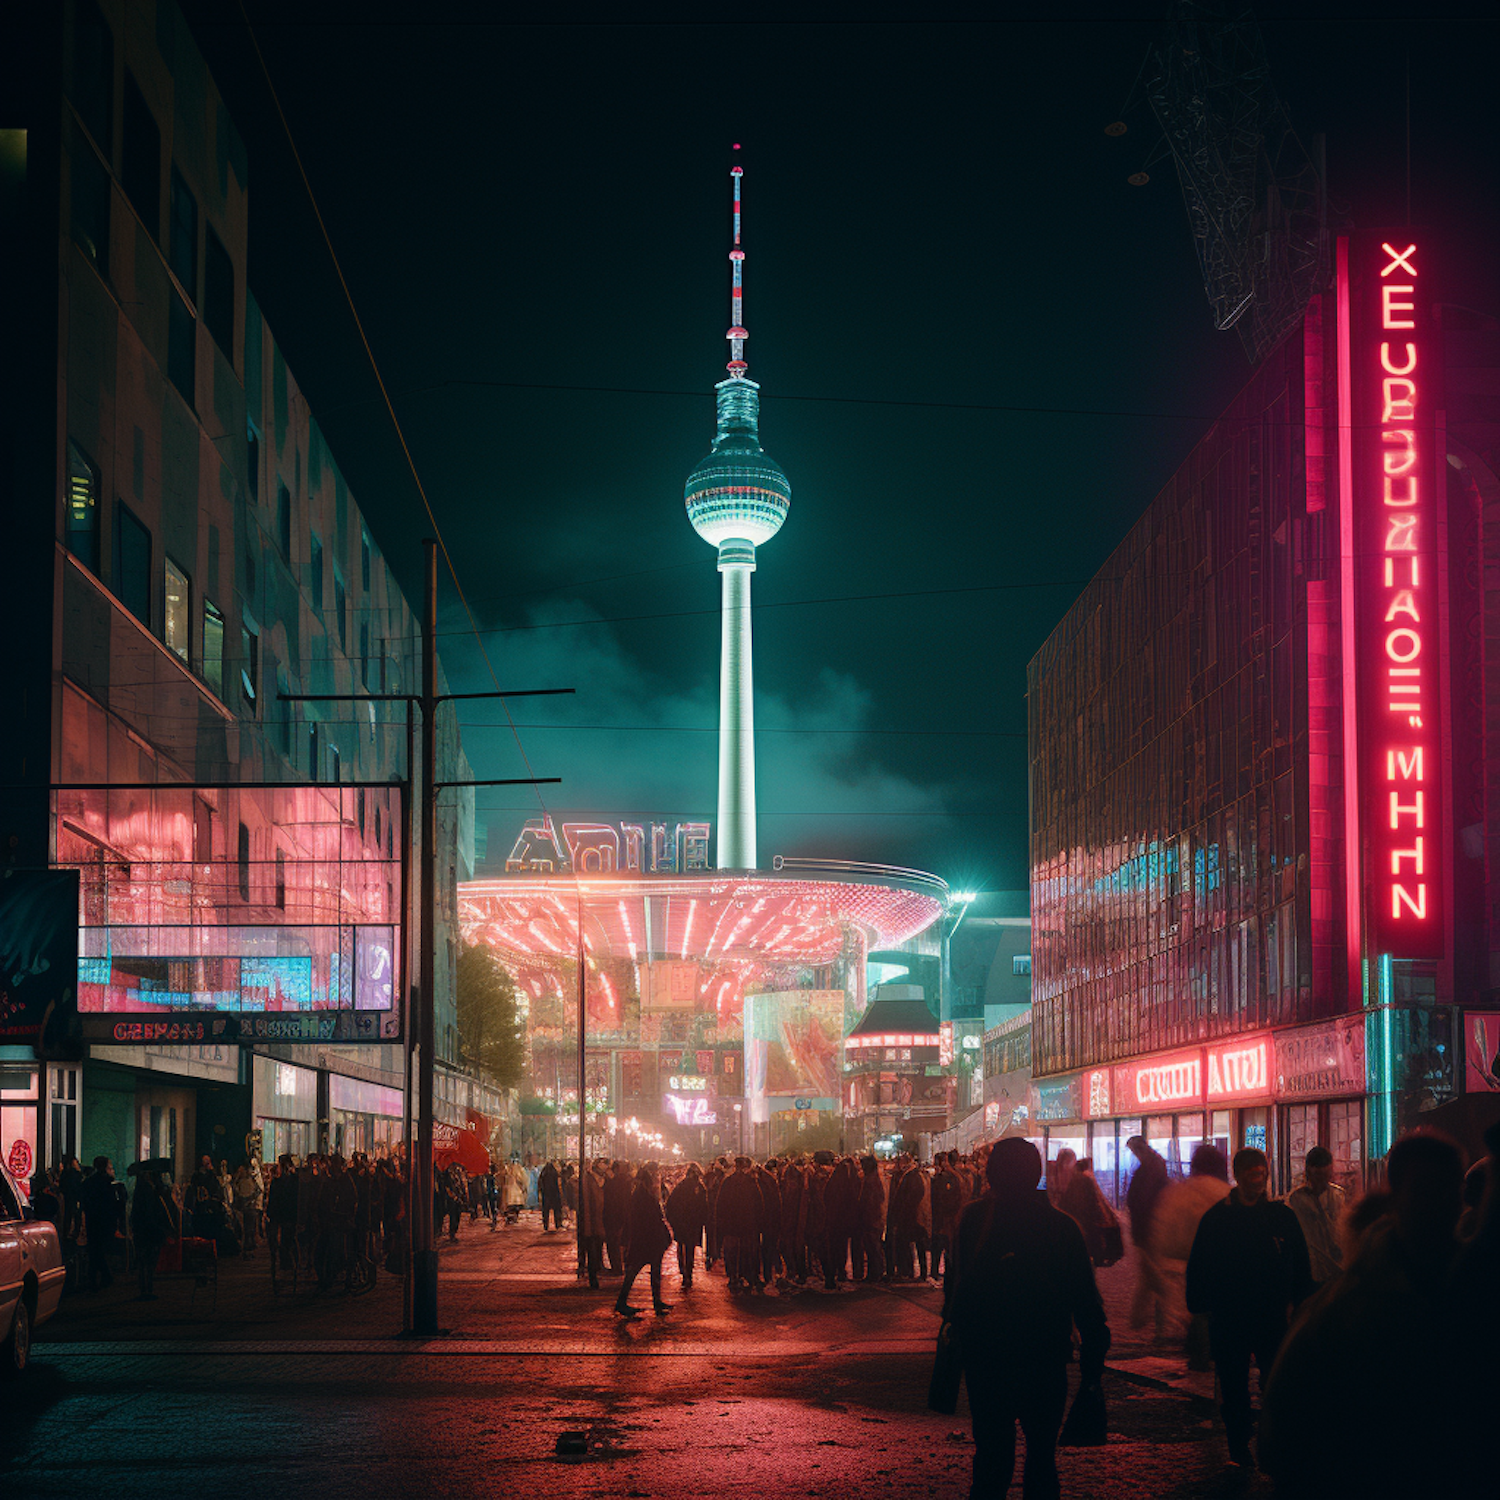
{"x":184,"y":551}
{"x":1262,"y":750}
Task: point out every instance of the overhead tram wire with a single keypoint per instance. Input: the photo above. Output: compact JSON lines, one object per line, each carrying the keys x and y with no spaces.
{"x":411,"y":464}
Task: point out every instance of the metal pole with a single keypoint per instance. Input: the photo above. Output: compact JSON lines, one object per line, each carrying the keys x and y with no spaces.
{"x":424,"y":1255}
{"x":582,"y":1114}
{"x":409,"y":1010}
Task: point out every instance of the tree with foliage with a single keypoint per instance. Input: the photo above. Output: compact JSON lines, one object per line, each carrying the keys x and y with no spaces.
{"x":491,"y":1036}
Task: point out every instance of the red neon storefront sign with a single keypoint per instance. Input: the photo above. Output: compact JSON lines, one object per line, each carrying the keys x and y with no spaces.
{"x":1396,"y":478}
{"x":1239,"y":1069}
{"x":1155,"y":1084}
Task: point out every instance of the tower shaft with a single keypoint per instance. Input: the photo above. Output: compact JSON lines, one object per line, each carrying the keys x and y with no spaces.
{"x":736,"y":847}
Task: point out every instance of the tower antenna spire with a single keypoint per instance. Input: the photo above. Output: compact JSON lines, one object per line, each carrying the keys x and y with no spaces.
{"x":737,"y":333}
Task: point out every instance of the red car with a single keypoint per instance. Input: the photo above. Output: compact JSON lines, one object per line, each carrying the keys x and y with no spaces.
{"x":31,"y":1275}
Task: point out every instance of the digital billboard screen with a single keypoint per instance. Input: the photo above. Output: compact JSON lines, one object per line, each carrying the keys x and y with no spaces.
{"x":181,"y":984}
{"x":792,"y":1042}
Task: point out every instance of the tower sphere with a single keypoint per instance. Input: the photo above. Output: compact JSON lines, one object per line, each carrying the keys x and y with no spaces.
{"x":738,"y":491}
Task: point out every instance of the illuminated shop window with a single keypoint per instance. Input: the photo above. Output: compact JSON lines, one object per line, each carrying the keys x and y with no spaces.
{"x":83,"y":508}
{"x":213,"y":647}
{"x":177,"y":614}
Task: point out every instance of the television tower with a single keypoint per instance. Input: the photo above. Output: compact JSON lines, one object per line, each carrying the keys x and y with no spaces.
{"x":737,"y":498}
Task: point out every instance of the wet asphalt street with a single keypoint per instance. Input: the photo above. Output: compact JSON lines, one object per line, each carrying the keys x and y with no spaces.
{"x":805,"y":1394}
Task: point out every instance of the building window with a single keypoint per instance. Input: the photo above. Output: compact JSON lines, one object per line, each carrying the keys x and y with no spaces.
{"x":182,"y":354}
{"x":359,"y":809}
{"x":89,"y":215}
{"x":94,"y":73}
{"x":177,"y":599}
{"x":132,"y":564}
{"x":218,"y":293}
{"x":364,"y":653}
{"x":83,"y":508}
{"x":249,"y":665}
{"x":213,"y":647}
{"x":313,"y":763}
{"x":280,"y":880}
{"x":364,"y":560}
{"x":182,"y":236}
{"x":140,"y":157}
{"x":338,"y":609}
{"x":244,"y":861}
{"x":284,"y":520}
{"x":1020,"y":963}
{"x":316,"y":568}
{"x":334,"y":762}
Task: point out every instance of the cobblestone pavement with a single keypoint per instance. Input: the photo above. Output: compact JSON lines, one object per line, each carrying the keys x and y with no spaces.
{"x":796,"y":1394}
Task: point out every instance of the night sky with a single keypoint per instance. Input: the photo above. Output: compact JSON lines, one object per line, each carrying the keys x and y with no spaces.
{"x":981,"y":353}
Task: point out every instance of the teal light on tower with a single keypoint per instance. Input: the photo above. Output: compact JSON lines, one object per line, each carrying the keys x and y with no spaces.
{"x":737,"y":498}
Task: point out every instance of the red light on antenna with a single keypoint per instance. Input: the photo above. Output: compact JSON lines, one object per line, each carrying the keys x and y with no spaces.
{"x":736,"y":145}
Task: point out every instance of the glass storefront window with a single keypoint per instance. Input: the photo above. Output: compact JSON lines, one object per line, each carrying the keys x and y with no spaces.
{"x":1253,"y":1127}
{"x":1127,"y":1162}
{"x":1102,"y":1148}
{"x":1301,"y":1136}
{"x":1346,"y":1141}
{"x":1189,"y":1138}
{"x":1221,"y":1130}
{"x":1072,"y":1138}
{"x":1160,"y":1136}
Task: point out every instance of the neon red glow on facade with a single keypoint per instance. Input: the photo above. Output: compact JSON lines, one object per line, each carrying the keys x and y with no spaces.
{"x":1392,"y":378}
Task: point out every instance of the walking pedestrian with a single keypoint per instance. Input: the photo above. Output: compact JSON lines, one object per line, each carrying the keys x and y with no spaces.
{"x":616,"y":1216}
{"x":96,"y":1196}
{"x":1147,"y":1183}
{"x":1248,"y":1269}
{"x":1319,"y":1204}
{"x":687,"y":1212}
{"x":871,"y":1220}
{"x":1386,"y":1357}
{"x":281,"y":1213}
{"x":739,"y":1218}
{"x":591,"y":1219}
{"x":650,"y":1238}
{"x":1019,"y":1281}
{"x":153,"y":1221}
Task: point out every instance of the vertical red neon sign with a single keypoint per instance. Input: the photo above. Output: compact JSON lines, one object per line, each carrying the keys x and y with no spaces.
{"x":1396,"y":485}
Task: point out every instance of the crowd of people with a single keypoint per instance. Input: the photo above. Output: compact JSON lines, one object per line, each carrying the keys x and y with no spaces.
{"x":1372,"y":1321}
{"x":823,"y":1220}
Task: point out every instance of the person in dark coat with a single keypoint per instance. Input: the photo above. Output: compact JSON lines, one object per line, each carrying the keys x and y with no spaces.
{"x":770,"y":1223}
{"x":153,"y":1221}
{"x":905,"y":1232}
{"x":1247,"y":1270}
{"x":101,"y":1215}
{"x":687,"y":1213}
{"x":591,"y":1220}
{"x":549,"y":1190}
{"x":281,"y":1212}
{"x":1019,"y":1280}
{"x":794,"y":1221}
{"x":947,"y":1200}
{"x":650,"y":1237}
{"x":739,"y":1219}
{"x":616,"y":1216}
{"x":840,"y":1218}
{"x":712,"y":1181}
{"x":871,"y":1220}
{"x":1147,"y":1184}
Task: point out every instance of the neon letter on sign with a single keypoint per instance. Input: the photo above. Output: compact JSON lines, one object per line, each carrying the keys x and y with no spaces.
{"x":1397,"y":484}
